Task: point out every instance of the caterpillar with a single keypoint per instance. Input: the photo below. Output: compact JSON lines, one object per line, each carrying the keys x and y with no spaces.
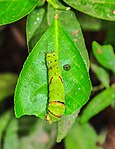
{"x":56,"y":104}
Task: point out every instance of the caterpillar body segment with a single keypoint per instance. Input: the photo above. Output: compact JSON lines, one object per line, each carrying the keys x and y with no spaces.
{"x":56,"y":104}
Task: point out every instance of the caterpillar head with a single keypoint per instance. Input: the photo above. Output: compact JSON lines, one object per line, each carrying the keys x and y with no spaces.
{"x":51,"y":59}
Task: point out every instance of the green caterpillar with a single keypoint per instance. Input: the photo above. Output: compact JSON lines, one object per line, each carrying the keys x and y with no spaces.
{"x":56,"y":105}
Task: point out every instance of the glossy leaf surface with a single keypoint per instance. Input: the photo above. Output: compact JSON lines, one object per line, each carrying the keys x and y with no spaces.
{"x":36,"y":25}
{"x":72,"y":28}
{"x":13,"y":10}
{"x":39,"y":20}
{"x":31,"y":93}
{"x":104,"y":9}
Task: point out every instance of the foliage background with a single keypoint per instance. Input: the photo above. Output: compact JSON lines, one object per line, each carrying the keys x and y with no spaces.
{"x":13,"y":53}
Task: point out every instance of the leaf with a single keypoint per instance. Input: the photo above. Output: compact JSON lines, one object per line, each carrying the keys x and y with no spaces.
{"x":65,"y":124}
{"x":40,"y":3}
{"x":81,"y":137}
{"x":36,"y":30}
{"x":36,"y":26}
{"x":89,"y":23}
{"x":31,"y":93}
{"x":104,"y":55}
{"x":13,"y":10}
{"x":4,"y":119}
{"x":11,"y":136}
{"x":56,"y":4}
{"x":100,"y":9}
{"x":7,"y":84}
{"x":101,"y":74}
{"x":98,"y":103}
{"x":72,"y":28}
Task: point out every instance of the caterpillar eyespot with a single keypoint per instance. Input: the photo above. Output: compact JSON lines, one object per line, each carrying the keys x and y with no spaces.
{"x":56,"y":105}
{"x":66,"y":67}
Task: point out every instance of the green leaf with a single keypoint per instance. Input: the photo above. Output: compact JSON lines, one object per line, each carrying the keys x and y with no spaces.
{"x":81,"y":137}
{"x":65,"y":124}
{"x":7,"y":84}
{"x":72,"y":28}
{"x":98,"y":103}
{"x":13,"y":10}
{"x":4,"y":119}
{"x":32,"y":89}
{"x":36,"y":25}
{"x":100,"y":9}
{"x":89,"y":23}
{"x":101,"y":74}
{"x":36,"y":30}
{"x":56,"y":4}
{"x":104,"y":55}
{"x":11,"y":136}
{"x":40,"y":3}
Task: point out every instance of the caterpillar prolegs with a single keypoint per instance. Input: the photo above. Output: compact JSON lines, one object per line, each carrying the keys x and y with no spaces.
{"x":56,"y":105}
